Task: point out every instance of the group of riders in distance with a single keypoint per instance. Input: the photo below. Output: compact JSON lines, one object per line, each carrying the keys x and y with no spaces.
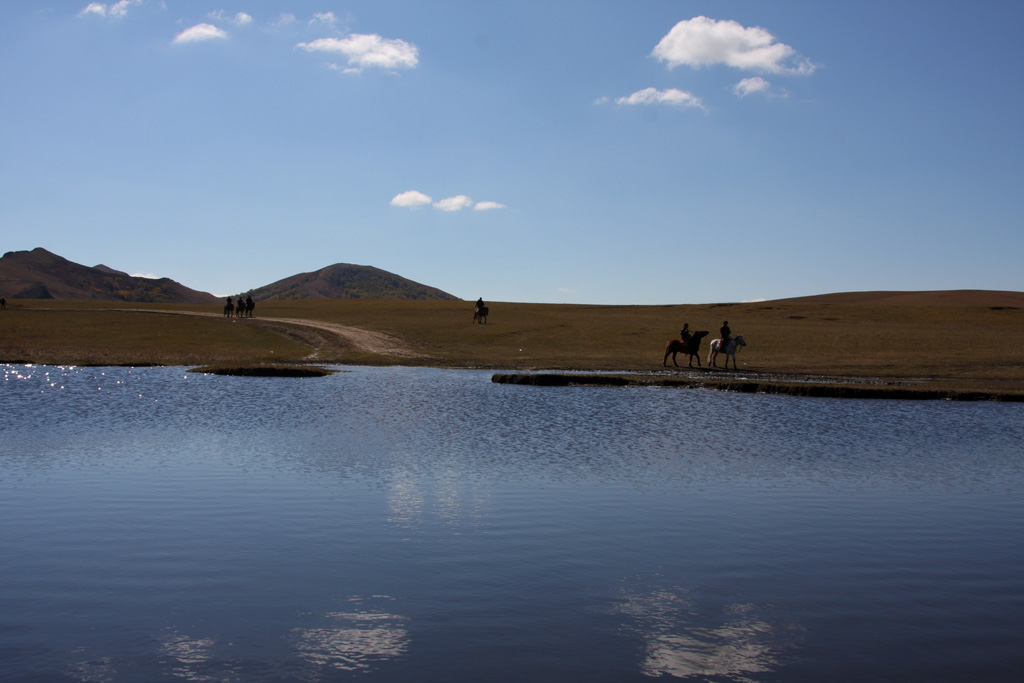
{"x":243,"y":309}
{"x":689,"y":344}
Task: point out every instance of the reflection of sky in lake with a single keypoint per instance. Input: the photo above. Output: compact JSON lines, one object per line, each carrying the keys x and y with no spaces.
{"x":353,"y":641}
{"x":740,"y":643}
{"x":161,"y":525}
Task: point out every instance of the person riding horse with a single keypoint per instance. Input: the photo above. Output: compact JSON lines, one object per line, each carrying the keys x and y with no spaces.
{"x":684,"y":335}
{"x":480,"y":305}
{"x":725,"y":332}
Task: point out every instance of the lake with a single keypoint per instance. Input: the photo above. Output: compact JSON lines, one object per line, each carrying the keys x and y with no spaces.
{"x":409,"y":524}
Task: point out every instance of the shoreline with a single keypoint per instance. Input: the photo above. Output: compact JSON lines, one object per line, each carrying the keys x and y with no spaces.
{"x":841,"y":387}
{"x":812,"y":386}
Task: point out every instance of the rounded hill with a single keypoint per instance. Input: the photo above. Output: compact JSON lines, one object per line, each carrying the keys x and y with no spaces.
{"x":348,"y":281}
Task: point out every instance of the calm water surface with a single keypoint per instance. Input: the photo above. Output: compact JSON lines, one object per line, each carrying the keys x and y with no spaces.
{"x":397,"y":524}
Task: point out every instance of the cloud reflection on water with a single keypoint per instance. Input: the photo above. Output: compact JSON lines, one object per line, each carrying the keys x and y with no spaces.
{"x":741,"y":645}
{"x":186,"y":655}
{"x":354,"y":641}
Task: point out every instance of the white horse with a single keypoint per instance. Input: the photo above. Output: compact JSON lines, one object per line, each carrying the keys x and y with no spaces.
{"x":729,"y":350}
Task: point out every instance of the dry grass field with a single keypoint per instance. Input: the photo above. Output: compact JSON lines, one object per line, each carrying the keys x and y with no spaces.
{"x":966,"y":340}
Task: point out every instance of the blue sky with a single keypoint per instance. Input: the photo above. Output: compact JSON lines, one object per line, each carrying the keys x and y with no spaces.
{"x":554,"y":151}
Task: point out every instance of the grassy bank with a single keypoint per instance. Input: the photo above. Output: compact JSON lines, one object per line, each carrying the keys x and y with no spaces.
{"x":962,"y":347}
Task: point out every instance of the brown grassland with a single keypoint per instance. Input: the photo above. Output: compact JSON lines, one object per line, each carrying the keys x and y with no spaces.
{"x":967,"y":343}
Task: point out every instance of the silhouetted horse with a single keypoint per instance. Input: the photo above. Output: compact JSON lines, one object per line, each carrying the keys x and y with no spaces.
{"x":229,"y":309}
{"x":691,"y":348}
{"x":729,"y":350}
{"x":249,"y":305}
{"x":480,"y":315}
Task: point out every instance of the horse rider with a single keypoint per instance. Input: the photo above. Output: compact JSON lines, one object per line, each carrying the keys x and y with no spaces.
{"x":685,"y":335}
{"x":480,"y":305}
{"x":725,"y":332}
{"x":249,"y":305}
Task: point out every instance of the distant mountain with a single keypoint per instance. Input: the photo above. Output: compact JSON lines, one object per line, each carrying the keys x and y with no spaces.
{"x":346,"y":281}
{"x":39,"y":274}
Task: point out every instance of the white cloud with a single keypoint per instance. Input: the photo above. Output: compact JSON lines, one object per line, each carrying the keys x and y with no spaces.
{"x":198,"y":33}
{"x":94,"y":8}
{"x":488,"y":206}
{"x":411,"y":198}
{"x":284,"y":19}
{"x":240,"y":19}
{"x":751,"y":85}
{"x":327,"y":18}
{"x":118,"y":9}
{"x":456,"y":203}
{"x":671,"y":97}
{"x":702,"y":42}
{"x":368,"y":50}
{"x":148,"y":276}
{"x":333,"y":66}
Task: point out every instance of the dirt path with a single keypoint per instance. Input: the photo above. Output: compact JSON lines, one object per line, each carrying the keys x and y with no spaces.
{"x":363,"y":340}
{"x":325,"y":338}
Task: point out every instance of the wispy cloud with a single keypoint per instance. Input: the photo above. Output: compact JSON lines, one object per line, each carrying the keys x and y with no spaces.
{"x":751,"y":85}
{"x":368,"y":50}
{"x":240,"y":19}
{"x":457,"y":203}
{"x":117,"y":9}
{"x":324,"y":18}
{"x":200,"y":32}
{"x":93,"y":8}
{"x":410,"y":199}
{"x":488,"y":206}
{"x":284,"y":19}
{"x":670,"y":96}
{"x":701,"y":41}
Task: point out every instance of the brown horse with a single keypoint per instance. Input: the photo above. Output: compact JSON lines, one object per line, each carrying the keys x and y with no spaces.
{"x":691,"y":348}
{"x":480,"y":314}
